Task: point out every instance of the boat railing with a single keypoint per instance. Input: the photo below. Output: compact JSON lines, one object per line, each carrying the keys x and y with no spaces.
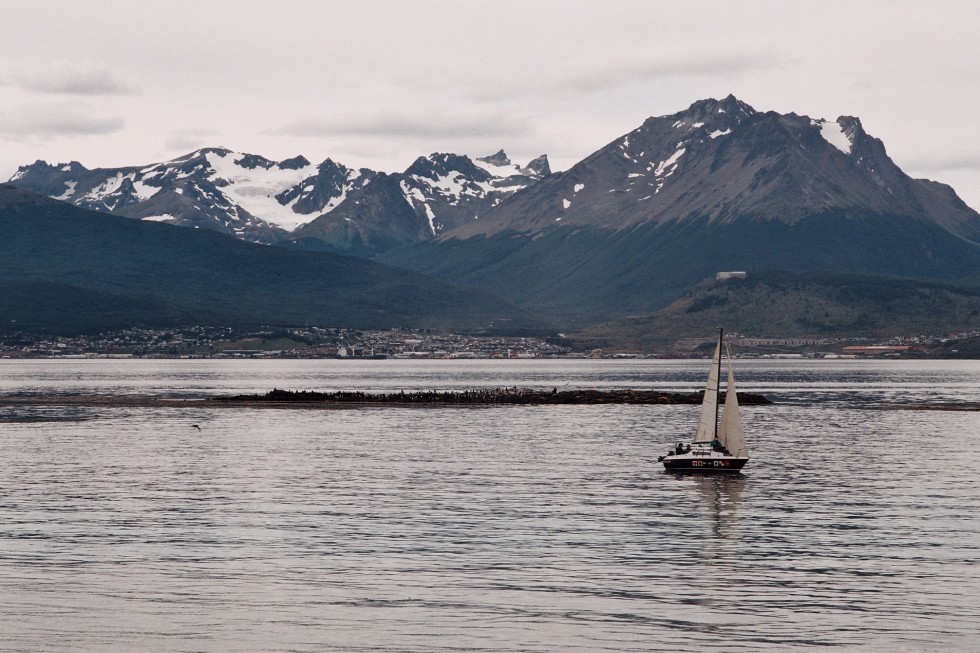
{"x":705,"y":449}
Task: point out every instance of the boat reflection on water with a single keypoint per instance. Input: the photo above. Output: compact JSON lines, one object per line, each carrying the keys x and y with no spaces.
{"x":719,"y":496}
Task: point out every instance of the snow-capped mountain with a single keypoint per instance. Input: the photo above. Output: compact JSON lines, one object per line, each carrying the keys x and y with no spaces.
{"x":434,"y":195}
{"x":718,"y":186}
{"x":451,"y":189}
{"x":266,"y":201}
{"x":245,"y":195}
{"x":721,"y":160}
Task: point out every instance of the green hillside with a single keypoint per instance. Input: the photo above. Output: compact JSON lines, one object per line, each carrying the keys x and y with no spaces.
{"x":786,"y":305}
{"x":583,"y":275}
{"x":63,"y":269}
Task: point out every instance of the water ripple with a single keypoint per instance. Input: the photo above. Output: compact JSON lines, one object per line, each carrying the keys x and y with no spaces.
{"x":506,"y":529}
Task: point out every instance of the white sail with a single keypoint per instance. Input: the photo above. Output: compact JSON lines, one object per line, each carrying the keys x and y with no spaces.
{"x":730,"y":432}
{"x":709,"y":405}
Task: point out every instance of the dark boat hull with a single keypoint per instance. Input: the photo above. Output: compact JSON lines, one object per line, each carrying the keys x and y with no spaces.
{"x":689,"y":464}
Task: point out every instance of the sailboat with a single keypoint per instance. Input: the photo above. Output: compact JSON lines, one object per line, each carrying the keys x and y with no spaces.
{"x":719,"y":443}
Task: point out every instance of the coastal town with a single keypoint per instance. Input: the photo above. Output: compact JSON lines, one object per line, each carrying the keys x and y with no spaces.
{"x":340,"y":343}
{"x":308,"y":342}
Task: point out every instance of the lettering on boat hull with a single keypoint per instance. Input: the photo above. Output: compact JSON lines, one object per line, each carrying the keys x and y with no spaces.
{"x":705,"y":464}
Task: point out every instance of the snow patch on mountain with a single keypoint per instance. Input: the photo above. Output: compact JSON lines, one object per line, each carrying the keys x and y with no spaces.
{"x":336,"y":200}
{"x":834,"y":134}
{"x":431,"y":217}
{"x":108,"y":187}
{"x":255,"y":188}
{"x":502,"y":170}
{"x":667,"y":167}
{"x":451,"y":187}
{"x":144,"y":191}
{"x":416,"y":198}
{"x":69,"y":190}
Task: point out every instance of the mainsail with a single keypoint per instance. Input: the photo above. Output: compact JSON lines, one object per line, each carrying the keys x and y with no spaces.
{"x":708,"y":420}
{"x":730,"y":432}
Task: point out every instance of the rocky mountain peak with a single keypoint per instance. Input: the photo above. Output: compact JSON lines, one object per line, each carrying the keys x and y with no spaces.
{"x":730,"y":107}
{"x":498,"y":159}
{"x":439,"y":165}
{"x":294,"y":163}
{"x":41,"y":166}
{"x":714,"y":114}
{"x":539,"y":166}
{"x":47,"y":179}
{"x":204,"y":151}
{"x":253,"y":161}
{"x":851,"y":125}
{"x":329,"y":165}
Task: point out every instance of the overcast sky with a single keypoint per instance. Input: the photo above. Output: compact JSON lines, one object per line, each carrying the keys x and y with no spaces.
{"x":376,"y":84}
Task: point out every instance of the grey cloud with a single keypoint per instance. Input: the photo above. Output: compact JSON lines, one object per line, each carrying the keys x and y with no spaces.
{"x":609,"y":77}
{"x":951,"y":162}
{"x":711,"y":66}
{"x":390,"y":125}
{"x":73,"y":79}
{"x":51,"y":121}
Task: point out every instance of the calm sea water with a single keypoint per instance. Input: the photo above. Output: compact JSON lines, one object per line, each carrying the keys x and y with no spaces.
{"x":513,"y":528}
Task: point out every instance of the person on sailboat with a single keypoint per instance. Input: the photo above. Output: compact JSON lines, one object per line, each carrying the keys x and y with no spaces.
{"x":716,"y":445}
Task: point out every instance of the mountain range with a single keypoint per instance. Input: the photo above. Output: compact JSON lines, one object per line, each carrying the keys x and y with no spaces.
{"x":626,"y":231}
{"x":327,"y":206}
{"x":716,"y":187}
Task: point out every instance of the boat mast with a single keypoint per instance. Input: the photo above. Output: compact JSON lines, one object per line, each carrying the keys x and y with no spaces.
{"x":721,"y":332}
